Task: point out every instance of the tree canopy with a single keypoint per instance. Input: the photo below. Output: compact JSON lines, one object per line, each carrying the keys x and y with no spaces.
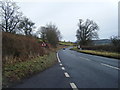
{"x":86,"y":31}
{"x":26,"y":26}
{"x":10,"y":16}
{"x":50,"y":33}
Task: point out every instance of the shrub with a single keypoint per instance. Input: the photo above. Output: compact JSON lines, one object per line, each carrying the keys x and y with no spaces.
{"x":109,"y":48}
{"x":19,"y":47}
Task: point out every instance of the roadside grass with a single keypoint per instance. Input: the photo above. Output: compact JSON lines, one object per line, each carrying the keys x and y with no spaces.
{"x":14,"y":73}
{"x":99,"y":53}
{"x":66,"y":43}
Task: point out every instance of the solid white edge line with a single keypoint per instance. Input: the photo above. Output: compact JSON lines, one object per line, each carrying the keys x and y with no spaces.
{"x":66,"y":74}
{"x":63,"y":68}
{"x":110,"y":66}
{"x":73,"y":86}
{"x":58,"y":58}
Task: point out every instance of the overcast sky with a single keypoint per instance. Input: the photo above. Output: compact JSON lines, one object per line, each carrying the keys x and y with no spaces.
{"x":65,"y":14}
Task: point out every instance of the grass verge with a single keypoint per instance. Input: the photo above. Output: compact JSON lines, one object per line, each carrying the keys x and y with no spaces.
{"x":99,"y":53}
{"x":66,"y":43}
{"x":14,"y":73}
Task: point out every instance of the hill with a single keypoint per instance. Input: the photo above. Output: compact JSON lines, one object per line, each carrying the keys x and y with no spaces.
{"x":102,"y":41}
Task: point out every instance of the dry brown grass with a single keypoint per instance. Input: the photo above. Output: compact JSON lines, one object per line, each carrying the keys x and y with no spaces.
{"x":20,"y":48}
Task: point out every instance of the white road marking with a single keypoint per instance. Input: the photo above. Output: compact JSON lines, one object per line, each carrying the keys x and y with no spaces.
{"x":85,"y":58}
{"x":60,"y":64}
{"x":110,"y":66}
{"x":66,"y":74}
{"x":63,"y":68}
{"x":73,"y":86}
{"x":58,"y":58}
{"x":102,"y":64}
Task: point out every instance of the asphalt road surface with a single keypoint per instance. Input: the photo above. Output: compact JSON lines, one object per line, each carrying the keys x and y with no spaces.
{"x":77,"y":70}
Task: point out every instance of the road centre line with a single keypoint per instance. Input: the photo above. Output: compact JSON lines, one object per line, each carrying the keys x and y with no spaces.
{"x":66,"y":74}
{"x":63,"y":68}
{"x":110,"y":66}
{"x":85,"y":58}
{"x":60,"y":64}
{"x":73,"y":86}
{"x":103,"y":64}
{"x":58,"y":58}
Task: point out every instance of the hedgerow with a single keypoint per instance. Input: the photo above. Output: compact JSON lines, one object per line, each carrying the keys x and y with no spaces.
{"x":19,"y":48}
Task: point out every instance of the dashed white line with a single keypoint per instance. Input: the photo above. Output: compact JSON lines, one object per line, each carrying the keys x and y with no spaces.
{"x":66,"y":74}
{"x":73,"y":86}
{"x":85,"y":58}
{"x":58,"y":58}
{"x":110,"y":66}
{"x":63,"y":68}
{"x":60,"y":64}
{"x":102,"y":64}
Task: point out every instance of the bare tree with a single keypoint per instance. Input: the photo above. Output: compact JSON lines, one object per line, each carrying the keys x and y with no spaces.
{"x":10,"y":16}
{"x":86,"y":32}
{"x":26,"y":26}
{"x":51,"y":34}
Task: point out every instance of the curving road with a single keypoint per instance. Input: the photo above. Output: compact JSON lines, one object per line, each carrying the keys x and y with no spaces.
{"x":77,"y":70}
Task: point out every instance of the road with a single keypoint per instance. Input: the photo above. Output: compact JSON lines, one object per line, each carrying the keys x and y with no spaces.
{"x":76,"y":70}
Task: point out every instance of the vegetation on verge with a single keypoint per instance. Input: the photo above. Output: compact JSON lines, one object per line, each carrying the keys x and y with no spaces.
{"x":23,"y":56}
{"x":13,"y":73}
{"x":20,"y":48}
{"x":108,"y":48}
{"x":114,"y":46}
{"x":23,"y":53}
{"x":66,"y":43}
{"x":100,"y":53}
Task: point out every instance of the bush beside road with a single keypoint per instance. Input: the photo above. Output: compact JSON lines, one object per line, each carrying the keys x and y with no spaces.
{"x":23,"y":57}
